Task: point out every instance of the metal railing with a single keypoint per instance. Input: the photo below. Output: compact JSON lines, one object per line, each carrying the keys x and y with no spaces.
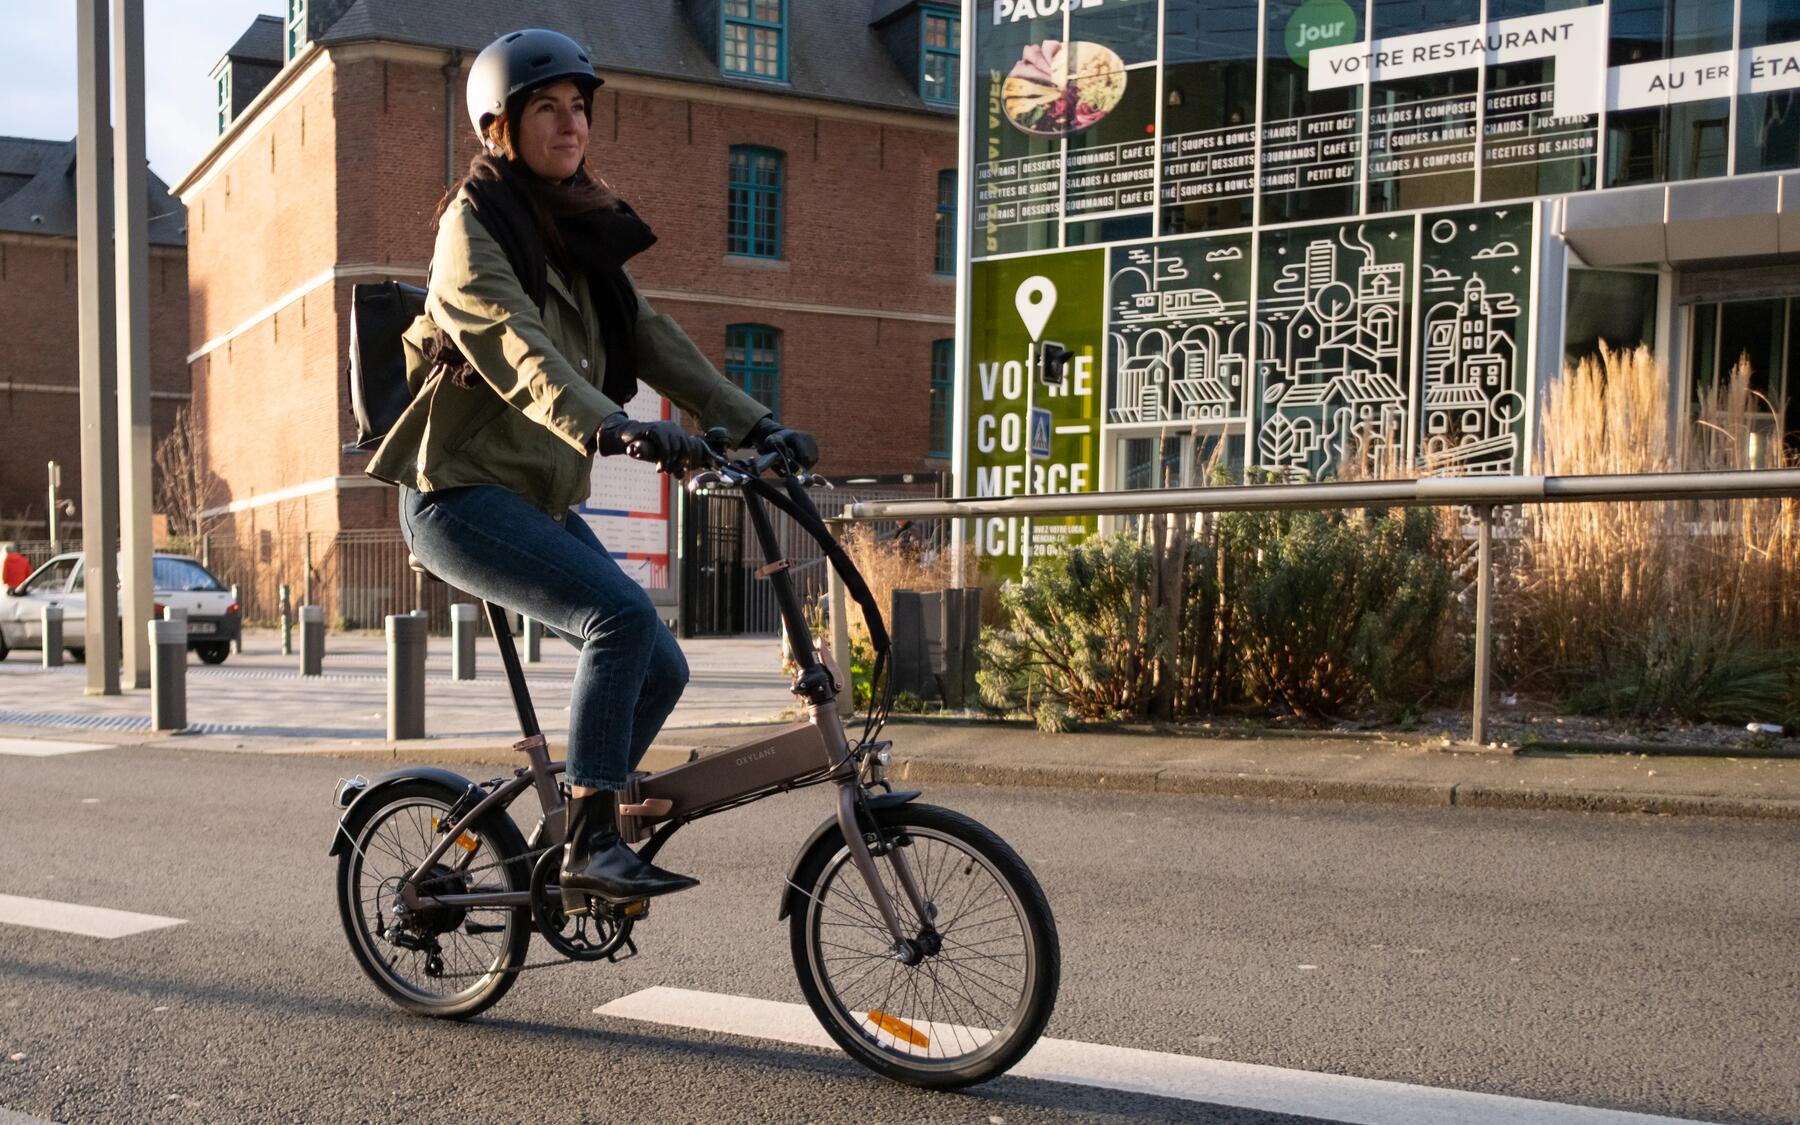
{"x":1481,"y":494}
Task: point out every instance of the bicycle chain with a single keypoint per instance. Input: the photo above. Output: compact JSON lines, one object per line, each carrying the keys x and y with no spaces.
{"x":529,"y":856}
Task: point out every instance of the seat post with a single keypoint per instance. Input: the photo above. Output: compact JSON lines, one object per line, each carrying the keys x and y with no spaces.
{"x":515,"y":672}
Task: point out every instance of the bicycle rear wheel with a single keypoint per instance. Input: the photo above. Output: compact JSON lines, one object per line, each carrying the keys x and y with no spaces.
{"x":973,"y":1006}
{"x":448,"y":963}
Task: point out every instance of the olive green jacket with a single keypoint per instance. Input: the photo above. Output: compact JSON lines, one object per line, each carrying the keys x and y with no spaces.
{"x":528,"y":423}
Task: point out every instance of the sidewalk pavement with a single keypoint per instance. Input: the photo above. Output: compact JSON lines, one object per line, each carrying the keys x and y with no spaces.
{"x":257,"y":703}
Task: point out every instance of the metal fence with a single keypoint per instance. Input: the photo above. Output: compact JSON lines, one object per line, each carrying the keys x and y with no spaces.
{"x":1482,"y":495}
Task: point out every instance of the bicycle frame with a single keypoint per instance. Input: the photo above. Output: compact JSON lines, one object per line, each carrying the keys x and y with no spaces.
{"x":807,"y":753}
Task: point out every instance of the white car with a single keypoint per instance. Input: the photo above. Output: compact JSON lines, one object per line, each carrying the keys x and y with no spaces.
{"x":213,"y":618}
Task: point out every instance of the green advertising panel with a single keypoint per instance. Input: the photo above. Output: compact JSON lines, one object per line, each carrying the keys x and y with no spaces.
{"x":1474,"y":285}
{"x":1016,"y":305}
{"x":1334,"y":321}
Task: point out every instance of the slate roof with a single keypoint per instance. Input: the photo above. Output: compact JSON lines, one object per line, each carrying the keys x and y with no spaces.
{"x":260,"y":42}
{"x":833,"y":53}
{"x":37,"y":193}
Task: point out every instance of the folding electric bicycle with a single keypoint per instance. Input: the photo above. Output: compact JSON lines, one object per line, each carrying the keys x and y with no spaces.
{"x":920,"y":939}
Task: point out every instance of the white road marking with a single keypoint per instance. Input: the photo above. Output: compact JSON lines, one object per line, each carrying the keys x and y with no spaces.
{"x":46,"y":748}
{"x":8,"y":1117}
{"x":73,"y":918}
{"x":1333,"y":1097}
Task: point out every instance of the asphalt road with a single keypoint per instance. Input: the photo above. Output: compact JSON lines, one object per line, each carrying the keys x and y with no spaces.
{"x":1638,"y":963}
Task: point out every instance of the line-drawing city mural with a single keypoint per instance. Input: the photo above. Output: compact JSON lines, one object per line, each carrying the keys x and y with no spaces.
{"x":1474,"y":279}
{"x":1331,"y":357}
{"x":1178,"y":327}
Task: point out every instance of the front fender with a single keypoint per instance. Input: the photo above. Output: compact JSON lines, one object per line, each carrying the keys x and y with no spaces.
{"x":821,"y":836}
{"x":362,"y":801}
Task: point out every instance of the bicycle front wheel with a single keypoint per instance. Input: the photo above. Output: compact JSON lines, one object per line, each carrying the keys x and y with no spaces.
{"x":978,"y":999}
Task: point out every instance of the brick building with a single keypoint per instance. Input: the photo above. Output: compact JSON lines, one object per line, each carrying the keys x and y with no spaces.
{"x":792,"y":156}
{"x":40,"y":402}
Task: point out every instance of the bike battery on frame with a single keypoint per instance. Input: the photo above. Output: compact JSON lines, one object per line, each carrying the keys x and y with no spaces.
{"x":783,"y":755}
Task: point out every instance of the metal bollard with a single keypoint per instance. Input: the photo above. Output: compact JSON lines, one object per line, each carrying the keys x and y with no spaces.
{"x":406,"y":640}
{"x":312,"y":640}
{"x":168,"y":674}
{"x":51,"y":617}
{"x":237,"y":599}
{"x":534,"y":640}
{"x":462,"y":641}
{"x":285,"y":607}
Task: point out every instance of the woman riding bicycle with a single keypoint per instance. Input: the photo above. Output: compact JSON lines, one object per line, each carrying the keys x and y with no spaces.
{"x":532,"y":341}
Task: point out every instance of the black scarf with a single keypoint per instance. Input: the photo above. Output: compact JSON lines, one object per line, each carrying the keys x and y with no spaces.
{"x":595,"y":239}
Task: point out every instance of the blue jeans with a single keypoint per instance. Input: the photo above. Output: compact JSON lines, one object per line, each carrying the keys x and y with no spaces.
{"x":488,"y":541}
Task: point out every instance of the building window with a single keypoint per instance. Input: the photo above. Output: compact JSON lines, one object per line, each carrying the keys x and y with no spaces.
{"x":296,"y":27}
{"x":943,"y":395}
{"x":753,"y":212}
{"x":944,"y":257}
{"x":753,"y":41}
{"x":939,"y":62}
{"x":753,"y":362}
{"x":223,"y":83}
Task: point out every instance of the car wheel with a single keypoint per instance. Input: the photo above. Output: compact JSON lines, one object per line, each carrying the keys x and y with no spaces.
{"x":213,"y":653}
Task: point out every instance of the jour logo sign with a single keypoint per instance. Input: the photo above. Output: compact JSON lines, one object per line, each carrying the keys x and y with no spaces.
{"x":1316,"y":24}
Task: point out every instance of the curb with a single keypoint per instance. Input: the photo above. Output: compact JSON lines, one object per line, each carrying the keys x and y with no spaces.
{"x":1374,"y":792}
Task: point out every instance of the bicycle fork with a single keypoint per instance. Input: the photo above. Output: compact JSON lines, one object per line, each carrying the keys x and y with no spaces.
{"x":910,"y":949}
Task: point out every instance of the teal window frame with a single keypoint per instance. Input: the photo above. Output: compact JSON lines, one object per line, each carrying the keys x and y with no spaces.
{"x":952,"y":54}
{"x":223,"y":85}
{"x":753,"y":205}
{"x":753,"y":362}
{"x":943,"y":258}
{"x":296,"y":28}
{"x":943,"y":396}
{"x":751,"y":23}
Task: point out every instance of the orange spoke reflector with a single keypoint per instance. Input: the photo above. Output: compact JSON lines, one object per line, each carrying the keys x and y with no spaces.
{"x":467,"y":842}
{"x":899,"y":1029}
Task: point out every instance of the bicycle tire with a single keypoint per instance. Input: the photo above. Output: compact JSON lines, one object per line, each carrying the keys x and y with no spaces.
{"x":1041,"y":956}
{"x":497,"y":835}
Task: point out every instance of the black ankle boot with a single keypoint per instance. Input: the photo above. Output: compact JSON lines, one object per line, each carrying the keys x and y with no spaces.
{"x":596,"y":862}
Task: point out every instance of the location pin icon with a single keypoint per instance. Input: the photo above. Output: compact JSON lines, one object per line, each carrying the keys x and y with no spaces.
{"x":1036,"y":300}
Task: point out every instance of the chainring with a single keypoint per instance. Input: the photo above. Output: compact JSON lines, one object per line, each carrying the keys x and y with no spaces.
{"x":599,"y":936}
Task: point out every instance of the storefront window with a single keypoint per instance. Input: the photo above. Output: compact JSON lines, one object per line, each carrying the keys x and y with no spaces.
{"x":1422,"y":130}
{"x":1686,"y":138}
{"x":1762,"y":336}
{"x":1769,"y":121}
{"x":1610,"y":307}
{"x":1209,"y":115}
{"x":1526,"y":149}
{"x":1312,"y":139}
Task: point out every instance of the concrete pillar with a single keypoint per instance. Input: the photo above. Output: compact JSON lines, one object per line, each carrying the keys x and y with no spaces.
{"x":534,"y":640}
{"x":406,"y":640}
{"x":132,"y":257}
{"x":97,"y":334}
{"x":168,"y":674}
{"x":462,"y":641}
{"x":52,"y":617}
{"x":312,"y":640}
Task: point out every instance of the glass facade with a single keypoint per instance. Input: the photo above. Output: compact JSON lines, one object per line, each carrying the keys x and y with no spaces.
{"x":1302,"y":238}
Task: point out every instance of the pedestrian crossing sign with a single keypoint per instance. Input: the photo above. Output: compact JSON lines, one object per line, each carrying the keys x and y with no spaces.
{"x":1040,"y":432}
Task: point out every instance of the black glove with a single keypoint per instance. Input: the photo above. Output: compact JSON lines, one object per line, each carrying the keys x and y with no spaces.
{"x":770,"y":436}
{"x":671,"y":448}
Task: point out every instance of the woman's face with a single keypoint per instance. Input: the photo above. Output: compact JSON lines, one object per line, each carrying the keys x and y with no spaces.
{"x":553,"y":131}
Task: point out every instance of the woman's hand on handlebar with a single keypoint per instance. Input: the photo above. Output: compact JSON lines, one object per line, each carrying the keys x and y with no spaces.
{"x":797,"y":446}
{"x":662,"y":442}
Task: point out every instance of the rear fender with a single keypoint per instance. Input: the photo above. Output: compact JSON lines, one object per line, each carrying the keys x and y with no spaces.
{"x":361,"y":801}
{"x":826,"y":835}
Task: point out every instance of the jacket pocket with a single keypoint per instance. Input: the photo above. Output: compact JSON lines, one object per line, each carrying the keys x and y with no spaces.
{"x":480,"y":417}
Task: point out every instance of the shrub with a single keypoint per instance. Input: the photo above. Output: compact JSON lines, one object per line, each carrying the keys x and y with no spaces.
{"x":1332,"y":611}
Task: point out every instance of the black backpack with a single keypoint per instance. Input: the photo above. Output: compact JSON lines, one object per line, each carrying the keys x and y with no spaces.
{"x":379,"y":314}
